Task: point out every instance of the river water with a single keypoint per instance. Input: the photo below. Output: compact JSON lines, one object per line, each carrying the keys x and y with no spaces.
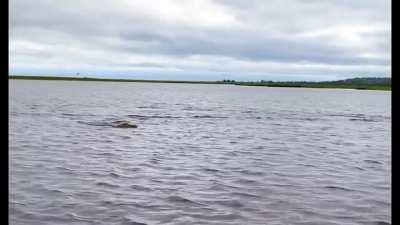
{"x":201,"y":154}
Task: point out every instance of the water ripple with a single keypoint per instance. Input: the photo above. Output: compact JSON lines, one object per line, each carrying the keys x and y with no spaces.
{"x":202,"y":154}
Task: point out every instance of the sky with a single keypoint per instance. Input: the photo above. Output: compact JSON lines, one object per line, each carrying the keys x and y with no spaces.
{"x":201,"y":39}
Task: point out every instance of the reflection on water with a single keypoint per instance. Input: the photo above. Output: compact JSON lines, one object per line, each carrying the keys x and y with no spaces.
{"x":201,"y":154}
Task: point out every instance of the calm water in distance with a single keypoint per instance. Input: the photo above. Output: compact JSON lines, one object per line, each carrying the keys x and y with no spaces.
{"x":202,"y":154}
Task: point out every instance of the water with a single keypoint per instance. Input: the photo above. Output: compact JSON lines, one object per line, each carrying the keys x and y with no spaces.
{"x":202,"y":154}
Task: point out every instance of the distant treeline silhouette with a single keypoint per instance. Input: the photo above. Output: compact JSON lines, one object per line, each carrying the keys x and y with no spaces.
{"x":372,"y":83}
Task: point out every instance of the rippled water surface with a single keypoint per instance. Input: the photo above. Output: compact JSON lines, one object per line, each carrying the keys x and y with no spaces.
{"x":201,"y":154}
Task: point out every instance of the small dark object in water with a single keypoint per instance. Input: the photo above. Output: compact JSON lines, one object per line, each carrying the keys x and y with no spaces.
{"x":123,"y":124}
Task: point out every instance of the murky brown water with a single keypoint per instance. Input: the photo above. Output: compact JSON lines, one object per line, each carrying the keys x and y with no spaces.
{"x":202,"y":154}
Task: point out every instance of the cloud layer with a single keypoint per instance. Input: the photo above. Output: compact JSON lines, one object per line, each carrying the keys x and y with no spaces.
{"x":202,"y":39}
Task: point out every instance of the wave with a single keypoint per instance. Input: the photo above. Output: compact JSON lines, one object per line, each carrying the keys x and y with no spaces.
{"x":145,"y":117}
{"x":114,"y":124}
{"x":338,"y":188}
{"x":372,"y":161}
{"x":208,"y":117}
{"x":179,"y":199}
{"x":362,"y":117}
{"x":105,"y":184}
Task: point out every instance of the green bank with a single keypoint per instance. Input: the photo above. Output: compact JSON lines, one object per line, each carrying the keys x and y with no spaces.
{"x":353,"y":83}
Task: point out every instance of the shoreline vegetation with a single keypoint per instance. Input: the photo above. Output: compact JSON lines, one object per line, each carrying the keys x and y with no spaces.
{"x":383,"y":84}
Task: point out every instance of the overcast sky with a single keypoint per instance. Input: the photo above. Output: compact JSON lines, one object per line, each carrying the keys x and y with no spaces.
{"x":202,"y":39}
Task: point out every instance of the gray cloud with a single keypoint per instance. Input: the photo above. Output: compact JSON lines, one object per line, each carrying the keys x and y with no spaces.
{"x":264,"y":37}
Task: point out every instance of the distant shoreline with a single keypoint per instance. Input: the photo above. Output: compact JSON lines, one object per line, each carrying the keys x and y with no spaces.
{"x":381,"y":87}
